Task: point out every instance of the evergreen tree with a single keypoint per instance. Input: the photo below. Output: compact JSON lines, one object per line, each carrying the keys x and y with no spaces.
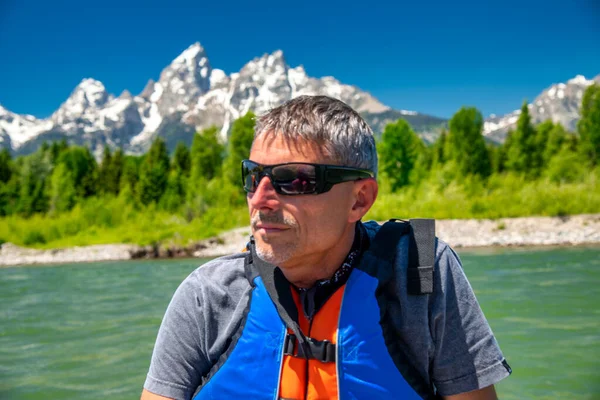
{"x":35,"y":171}
{"x":520,"y":155}
{"x":398,"y":152}
{"x":439,"y":148}
{"x":63,"y":194}
{"x":557,"y":136}
{"x":56,"y":148}
{"x":174,"y":195}
{"x":466,"y":146}
{"x":154,"y":173}
{"x":113,"y":177}
{"x":181,"y":159}
{"x":9,"y":194}
{"x":5,"y":166}
{"x":565,"y":166}
{"x":83,"y":168}
{"x":240,"y":142}
{"x":589,"y":124}
{"x":104,"y":171}
{"x":206,"y":155}
{"x":130,"y":176}
{"x":541,"y":141}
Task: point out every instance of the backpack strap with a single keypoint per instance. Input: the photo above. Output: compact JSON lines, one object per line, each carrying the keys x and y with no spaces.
{"x":421,"y":256}
{"x":421,"y":251}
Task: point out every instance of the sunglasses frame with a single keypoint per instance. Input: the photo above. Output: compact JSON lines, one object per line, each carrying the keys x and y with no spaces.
{"x":325,"y":175}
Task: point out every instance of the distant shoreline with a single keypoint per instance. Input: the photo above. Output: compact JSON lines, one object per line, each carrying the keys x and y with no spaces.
{"x":468,"y":233}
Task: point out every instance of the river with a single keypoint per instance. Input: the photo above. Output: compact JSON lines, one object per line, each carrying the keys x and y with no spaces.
{"x":86,"y":331}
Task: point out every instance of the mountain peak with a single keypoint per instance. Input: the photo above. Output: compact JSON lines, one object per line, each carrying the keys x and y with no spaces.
{"x":560,"y":103}
{"x":580,"y":80}
{"x":191,"y":54}
{"x":90,"y":92}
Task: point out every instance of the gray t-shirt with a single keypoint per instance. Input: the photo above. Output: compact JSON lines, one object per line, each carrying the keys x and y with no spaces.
{"x":445,"y":334}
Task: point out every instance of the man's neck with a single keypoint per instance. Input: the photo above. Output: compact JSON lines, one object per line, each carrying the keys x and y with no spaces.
{"x":318,"y":266}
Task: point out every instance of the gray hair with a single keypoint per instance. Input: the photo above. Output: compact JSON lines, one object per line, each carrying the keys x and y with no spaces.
{"x":327,"y":122}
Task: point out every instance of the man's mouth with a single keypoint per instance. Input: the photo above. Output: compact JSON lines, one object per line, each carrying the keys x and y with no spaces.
{"x":269,"y":228}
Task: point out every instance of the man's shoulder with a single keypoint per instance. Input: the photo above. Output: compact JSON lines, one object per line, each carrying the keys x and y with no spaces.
{"x":221,"y":272}
{"x":441,"y":247}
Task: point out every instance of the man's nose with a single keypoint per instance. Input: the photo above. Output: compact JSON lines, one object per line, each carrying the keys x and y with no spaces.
{"x":265,"y":196}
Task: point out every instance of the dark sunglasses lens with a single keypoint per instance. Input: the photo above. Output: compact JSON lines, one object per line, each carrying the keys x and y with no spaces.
{"x":295,"y":178}
{"x":250,"y":175}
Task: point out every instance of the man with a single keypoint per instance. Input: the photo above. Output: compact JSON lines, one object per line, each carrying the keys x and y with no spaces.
{"x":318,"y":306}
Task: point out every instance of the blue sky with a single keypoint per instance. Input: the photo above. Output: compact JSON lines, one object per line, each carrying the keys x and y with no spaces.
{"x":428,"y":56}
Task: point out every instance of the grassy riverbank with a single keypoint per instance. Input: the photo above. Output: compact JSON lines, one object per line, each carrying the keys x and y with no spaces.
{"x":117,"y":220}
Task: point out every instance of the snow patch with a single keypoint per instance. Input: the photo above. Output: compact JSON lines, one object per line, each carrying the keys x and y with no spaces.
{"x":21,"y":130}
{"x":151,"y":124}
{"x":115,"y":109}
{"x":580,"y":80}
{"x":158,"y":91}
{"x":189,"y":54}
{"x":217,"y":76}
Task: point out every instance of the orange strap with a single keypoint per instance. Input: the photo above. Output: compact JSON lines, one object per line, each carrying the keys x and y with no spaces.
{"x":322,"y":377}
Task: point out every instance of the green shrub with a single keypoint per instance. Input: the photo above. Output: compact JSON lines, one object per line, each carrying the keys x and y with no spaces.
{"x":33,"y":237}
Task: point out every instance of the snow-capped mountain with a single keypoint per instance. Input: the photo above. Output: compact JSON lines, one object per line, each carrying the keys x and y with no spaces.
{"x":560,"y":103}
{"x":190,"y":95}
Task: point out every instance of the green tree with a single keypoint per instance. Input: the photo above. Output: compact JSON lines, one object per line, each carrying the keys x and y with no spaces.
{"x":63,"y":194}
{"x":83,"y":168}
{"x":113,"y":177}
{"x":206,"y":155}
{"x":520,"y":156}
{"x":240,"y":142}
{"x":566,"y":166}
{"x":154,"y":173}
{"x":104,"y":171}
{"x":398,"y":152}
{"x":181,"y":159}
{"x":56,"y":148}
{"x":589,"y":124}
{"x":175,"y":193}
{"x":541,"y":141}
{"x":466,"y":146}
{"x":5,"y":166}
{"x":439,"y":148}
{"x":557,"y":136}
{"x":35,"y":171}
{"x":130,"y":176}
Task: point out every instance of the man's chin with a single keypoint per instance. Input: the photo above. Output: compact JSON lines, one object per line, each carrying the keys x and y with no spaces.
{"x":275,"y":256}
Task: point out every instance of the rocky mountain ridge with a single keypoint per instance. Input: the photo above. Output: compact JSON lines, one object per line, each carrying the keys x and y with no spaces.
{"x":560,"y":102}
{"x":189,"y":95}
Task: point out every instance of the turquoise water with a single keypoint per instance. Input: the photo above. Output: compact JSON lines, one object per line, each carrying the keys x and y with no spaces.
{"x":86,"y":331}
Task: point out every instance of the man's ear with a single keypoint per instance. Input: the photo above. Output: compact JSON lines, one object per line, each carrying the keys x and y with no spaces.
{"x":364,"y":194}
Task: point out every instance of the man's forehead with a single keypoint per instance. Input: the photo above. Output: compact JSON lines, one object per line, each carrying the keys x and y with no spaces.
{"x":293,"y":148}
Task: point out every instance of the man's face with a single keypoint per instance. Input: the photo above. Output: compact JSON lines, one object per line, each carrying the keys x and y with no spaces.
{"x":292,"y":230}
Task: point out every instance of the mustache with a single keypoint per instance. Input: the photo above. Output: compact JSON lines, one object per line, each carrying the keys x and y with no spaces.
{"x":272,"y":218}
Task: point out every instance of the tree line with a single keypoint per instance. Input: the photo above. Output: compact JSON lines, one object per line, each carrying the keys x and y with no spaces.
{"x":58,"y":177}
{"x":546,"y":151}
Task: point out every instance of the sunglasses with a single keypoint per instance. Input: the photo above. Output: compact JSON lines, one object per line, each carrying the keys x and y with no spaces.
{"x":299,"y":178}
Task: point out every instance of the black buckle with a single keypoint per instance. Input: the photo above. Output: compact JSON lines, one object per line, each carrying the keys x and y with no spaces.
{"x":321,"y":350}
{"x":289,"y":346}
